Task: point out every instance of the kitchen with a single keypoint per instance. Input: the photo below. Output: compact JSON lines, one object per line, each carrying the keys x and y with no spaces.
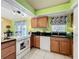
{"x":44,"y":34}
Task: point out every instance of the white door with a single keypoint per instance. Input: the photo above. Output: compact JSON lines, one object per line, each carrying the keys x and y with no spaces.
{"x":75,"y":25}
{"x":45,"y":43}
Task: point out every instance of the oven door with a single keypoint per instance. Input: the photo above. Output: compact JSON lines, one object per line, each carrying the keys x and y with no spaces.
{"x":20,"y":46}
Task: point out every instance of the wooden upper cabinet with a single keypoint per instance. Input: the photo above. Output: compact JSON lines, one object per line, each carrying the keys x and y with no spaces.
{"x":42,"y":21}
{"x":34,"y":22}
{"x":39,"y":22}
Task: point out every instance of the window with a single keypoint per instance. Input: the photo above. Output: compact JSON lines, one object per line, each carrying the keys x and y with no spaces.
{"x":59,"y":23}
{"x":21,"y":28}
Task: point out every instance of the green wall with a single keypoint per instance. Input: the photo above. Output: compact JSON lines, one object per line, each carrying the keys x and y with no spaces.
{"x":69,"y":28}
{"x":5,"y":22}
{"x":13,"y":24}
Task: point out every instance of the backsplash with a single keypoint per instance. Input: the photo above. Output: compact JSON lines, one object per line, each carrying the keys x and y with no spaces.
{"x":58,"y":20}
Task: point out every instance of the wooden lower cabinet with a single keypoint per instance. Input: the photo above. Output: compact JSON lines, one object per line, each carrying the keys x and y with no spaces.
{"x":32,"y":41}
{"x":55,"y":45}
{"x":61,"y":45}
{"x":65,"y":47}
{"x":72,"y":48}
{"x":35,"y":41}
{"x":8,"y":50}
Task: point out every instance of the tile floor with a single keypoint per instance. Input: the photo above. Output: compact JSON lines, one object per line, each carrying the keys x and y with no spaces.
{"x":41,"y":54}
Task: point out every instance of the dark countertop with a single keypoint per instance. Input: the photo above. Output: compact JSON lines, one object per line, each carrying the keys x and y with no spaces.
{"x":7,"y":40}
{"x":51,"y":34}
{"x":59,"y":36}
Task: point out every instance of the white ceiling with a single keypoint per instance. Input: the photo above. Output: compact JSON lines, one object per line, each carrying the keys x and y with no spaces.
{"x":40,"y":4}
{"x":9,"y":14}
{"x":7,"y":11}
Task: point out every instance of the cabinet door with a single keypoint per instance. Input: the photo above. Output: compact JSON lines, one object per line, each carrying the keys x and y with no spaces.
{"x":72,"y":48}
{"x":42,"y":22}
{"x":32,"y":41}
{"x":65,"y":47}
{"x":34,"y":22}
{"x":55,"y":45}
{"x":37,"y":41}
{"x":12,"y":56}
{"x":8,"y":49}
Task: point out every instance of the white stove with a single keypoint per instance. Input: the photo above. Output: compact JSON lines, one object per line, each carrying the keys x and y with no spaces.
{"x":22,"y":47}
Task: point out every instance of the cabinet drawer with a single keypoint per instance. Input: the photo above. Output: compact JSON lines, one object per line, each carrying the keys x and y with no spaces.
{"x":7,"y":44}
{"x":12,"y":56}
{"x":8,"y":51}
